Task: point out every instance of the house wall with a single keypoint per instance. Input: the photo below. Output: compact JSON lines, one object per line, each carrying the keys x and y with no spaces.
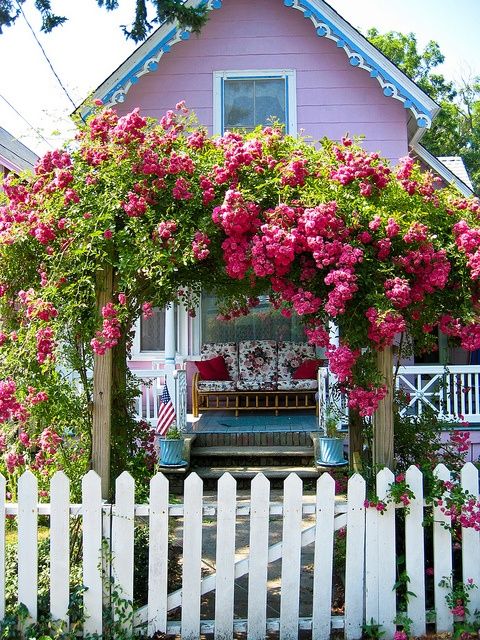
{"x":332,"y":96}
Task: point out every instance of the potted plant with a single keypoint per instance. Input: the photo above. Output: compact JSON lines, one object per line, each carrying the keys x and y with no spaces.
{"x":331,"y":442}
{"x":171,"y":447}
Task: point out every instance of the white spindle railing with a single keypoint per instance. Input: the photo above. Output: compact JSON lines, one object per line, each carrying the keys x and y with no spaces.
{"x":151,"y":383}
{"x":452,"y":391}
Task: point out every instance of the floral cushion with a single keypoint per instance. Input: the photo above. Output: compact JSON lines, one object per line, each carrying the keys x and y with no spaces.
{"x":257,"y":362}
{"x":256,"y":385}
{"x":297,"y":385}
{"x":226,"y":349}
{"x":290,"y":357}
{"x":216,"y":385}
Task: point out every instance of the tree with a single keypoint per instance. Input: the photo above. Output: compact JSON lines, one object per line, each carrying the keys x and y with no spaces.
{"x":163,"y":11}
{"x":456,"y":129}
{"x":136,"y":213}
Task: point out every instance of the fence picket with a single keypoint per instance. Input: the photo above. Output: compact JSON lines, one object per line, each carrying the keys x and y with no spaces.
{"x":323,"y":564}
{"x":442,"y":559}
{"x":28,"y":542}
{"x":471,"y":542}
{"x":257,"y":578}
{"x":291,"y":557}
{"x":59,"y":546}
{"x":371,"y":565}
{"x":354,"y":562}
{"x":2,"y":546}
{"x":225,"y":557}
{"x":192,"y":540}
{"x":122,"y":542}
{"x":387,"y":608}
{"x":158,"y":555}
{"x":92,"y":552}
{"x":415,"y":552}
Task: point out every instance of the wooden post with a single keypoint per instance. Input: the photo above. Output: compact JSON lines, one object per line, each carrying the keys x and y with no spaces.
{"x":383,"y":417}
{"x":355,"y":440}
{"x":102,"y":391}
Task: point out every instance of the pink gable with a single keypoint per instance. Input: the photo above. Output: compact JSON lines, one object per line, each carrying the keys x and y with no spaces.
{"x":332,"y":96}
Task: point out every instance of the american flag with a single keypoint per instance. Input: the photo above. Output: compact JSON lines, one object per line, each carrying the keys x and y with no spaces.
{"x":166,"y":412}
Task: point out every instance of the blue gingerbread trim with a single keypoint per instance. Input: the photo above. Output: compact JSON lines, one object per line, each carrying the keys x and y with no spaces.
{"x":358,"y":57}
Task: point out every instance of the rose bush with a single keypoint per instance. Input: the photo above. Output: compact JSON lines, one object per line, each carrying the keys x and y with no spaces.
{"x":331,"y":233}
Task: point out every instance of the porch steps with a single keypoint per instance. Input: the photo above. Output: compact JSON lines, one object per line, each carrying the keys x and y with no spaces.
{"x":253,"y":451}
{"x":244,"y":455}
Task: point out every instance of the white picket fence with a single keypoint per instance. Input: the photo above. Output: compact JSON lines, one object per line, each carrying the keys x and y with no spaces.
{"x":302,"y":522}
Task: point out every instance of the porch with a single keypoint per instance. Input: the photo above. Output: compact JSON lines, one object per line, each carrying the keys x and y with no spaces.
{"x":278,"y":445}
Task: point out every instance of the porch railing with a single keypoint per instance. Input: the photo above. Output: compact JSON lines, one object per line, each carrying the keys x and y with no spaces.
{"x":452,"y":391}
{"x":151,"y":385}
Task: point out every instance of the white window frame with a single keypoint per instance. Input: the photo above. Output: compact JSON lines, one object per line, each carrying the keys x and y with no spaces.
{"x":290,"y":77}
{"x":137,"y":355}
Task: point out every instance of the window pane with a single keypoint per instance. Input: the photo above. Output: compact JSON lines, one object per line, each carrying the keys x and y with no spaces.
{"x":269,"y":101}
{"x":238,"y":104}
{"x":152,"y":331}
{"x":262,"y":323}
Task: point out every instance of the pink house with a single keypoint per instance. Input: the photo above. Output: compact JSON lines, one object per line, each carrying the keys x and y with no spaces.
{"x":302,"y":63}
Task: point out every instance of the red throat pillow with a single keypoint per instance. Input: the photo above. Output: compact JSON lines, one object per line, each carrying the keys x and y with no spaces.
{"x":213,"y":369}
{"x":307,"y":370}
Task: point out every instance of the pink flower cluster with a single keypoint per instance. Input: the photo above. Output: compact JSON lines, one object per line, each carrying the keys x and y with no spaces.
{"x":45,"y":344}
{"x":341,"y":361}
{"x":147,"y":310}
{"x":461,"y":440}
{"x":135,"y":206}
{"x":345,"y":286}
{"x":130,"y":128}
{"x":430,"y":269}
{"x":166,"y":229}
{"x":295,"y":173}
{"x":398,"y":292}
{"x":200,"y":245}
{"x":272,"y":252}
{"x":361,"y":166}
{"x":384,"y":327}
{"x":468,"y":241}
{"x":10,"y":407}
{"x":108,"y":337}
{"x":36,"y":307}
{"x":366,"y":400}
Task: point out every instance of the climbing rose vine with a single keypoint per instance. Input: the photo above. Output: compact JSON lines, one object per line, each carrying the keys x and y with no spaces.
{"x":329,"y":231}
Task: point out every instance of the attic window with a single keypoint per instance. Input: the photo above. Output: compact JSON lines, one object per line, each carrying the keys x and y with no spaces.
{"x":246,"y":99}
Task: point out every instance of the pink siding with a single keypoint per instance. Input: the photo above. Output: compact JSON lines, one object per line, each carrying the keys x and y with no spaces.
{"x":332,"y":96}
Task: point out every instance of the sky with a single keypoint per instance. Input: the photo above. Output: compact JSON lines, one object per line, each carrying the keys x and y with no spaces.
{"x":91,"y":45}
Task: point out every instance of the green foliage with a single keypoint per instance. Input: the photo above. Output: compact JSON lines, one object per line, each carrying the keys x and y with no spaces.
{"x":456,"y":129}
{"x":372,"y":630}
{"x":402,"y":591}
{"x":417,"y":438}
{"x":163,"y":11}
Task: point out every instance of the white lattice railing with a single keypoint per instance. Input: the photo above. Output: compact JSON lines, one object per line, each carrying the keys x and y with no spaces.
{"x":152,"y":382}
{"x":452,"y":391}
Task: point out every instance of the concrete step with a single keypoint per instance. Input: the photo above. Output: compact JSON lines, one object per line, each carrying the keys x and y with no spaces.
{"x":251,"y":451}
{"x":243,"y":473}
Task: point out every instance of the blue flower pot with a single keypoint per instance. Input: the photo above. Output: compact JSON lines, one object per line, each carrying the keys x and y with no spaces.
{"x":331,"y":451}
{"x":171,"y":451}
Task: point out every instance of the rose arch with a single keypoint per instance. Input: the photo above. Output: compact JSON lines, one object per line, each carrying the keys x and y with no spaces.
{"x":135,"y":213}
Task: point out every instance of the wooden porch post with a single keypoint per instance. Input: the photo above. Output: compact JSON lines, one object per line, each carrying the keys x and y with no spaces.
{"x":383,"y":417}
{"x":102,"y":392}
